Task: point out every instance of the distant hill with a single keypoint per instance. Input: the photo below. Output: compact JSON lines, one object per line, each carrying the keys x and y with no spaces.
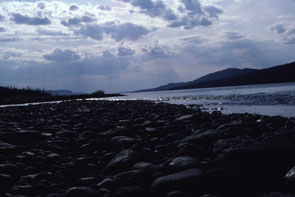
{"x":64,"y":93}
{"x":60,"y":92}
{"x":230,"y":72}
{"x":276,"y":74}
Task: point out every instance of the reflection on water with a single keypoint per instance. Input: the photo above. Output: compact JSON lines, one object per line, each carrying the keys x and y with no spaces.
{"x":272,"y":99}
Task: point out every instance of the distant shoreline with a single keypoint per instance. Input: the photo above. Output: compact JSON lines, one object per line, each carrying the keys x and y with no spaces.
{"x":23,"y":100}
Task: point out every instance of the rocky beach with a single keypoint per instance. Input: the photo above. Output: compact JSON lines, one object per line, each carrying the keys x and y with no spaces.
{"x":142,"y":149}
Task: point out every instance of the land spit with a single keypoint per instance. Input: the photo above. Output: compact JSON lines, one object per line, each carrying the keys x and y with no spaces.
{"x":142,"y":149}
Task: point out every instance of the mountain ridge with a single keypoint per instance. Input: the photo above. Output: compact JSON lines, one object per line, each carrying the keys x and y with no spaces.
{"x":229,"y":72}
{"x":276,"y":74}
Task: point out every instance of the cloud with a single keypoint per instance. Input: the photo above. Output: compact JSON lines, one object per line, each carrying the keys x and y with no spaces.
{"x":287,"y":33}
{"x":126,"y":31}
{"x":233,"y":35}
{"x":190,"y":12}
{"x":278,"y":28}
{"x":90,"y":31}
{"x":155,"y":52}
{"x":105,"y":8}
{"x":193,"y":40}
{"x":213,"y":11}
{"x":59,"y":55}
{"x":107,"y":53}
{"x":21,"y":19}
{"x":77,"y":21}
{"x":51,"y":33}
{"x":2,"y":18}
{"x":8,"y":55}
{"x":2,"y":29}
{"x":41,"y":5}
{"x":241,"y":53}
{"x":74,"y":7}
{"x":122,"y":51}
{"x":9,"y":39}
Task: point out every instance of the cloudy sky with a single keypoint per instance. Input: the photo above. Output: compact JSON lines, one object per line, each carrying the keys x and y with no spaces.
{"x":122,"y":45}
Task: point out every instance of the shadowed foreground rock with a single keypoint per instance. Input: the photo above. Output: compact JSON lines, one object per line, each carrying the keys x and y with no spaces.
{"x":139,"y":148}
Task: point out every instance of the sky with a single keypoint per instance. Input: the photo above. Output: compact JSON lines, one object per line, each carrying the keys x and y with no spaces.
{"x":126,"y":45}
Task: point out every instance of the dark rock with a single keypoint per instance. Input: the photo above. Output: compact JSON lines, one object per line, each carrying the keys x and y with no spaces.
{"x":240,"y":182}
{"x":6,"y":181}
{"x":122,"y":161}
{"x":82,"y":191}
{"x":184,"y":162}
{"x":290,"y":180}
{"x":147,"y":167}
{"x":131,"y":192}
{"x":11,"y":170}
{"x":187,"y":181}
{"x":177,"y":194}
{"x":133,"y":178}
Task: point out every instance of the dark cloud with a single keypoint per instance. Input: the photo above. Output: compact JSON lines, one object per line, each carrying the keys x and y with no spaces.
{"x":126,"y":31}
{"x":233,"y":35}
{"x":192,"y":14}
{"x":73,"y":7}
{"x":155,"y":52}
{"x":9,"y":39}
{"x":41,"y":5}
{"x":59,"y":55}
{"x":107,"y":53}
{"x":105,"y":8}
{"x":153,"y":8}
{"x":287,"y":33}
{"x":122,"y":51}
{"x":77,"y":21}
{"x":51,"y":33}
{"x":90,"y":31}
{"x":2,"y":29}
{"x":8,"y":55}
{"x":2,"y":18}
{"x":193,"y":40}
{"x":278,"y":28}
{"x":213,"y":11}
{"x":21,"y":19}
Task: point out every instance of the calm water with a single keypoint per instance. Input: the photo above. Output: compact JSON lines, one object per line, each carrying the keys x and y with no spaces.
{"x":272,"y":99}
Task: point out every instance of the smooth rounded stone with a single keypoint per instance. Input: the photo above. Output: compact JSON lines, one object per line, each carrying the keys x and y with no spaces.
{"x":82,"y":191}
{"x":126,"y":142}
{"x":122,"y":161}
{"x":9,"y":137}
{"x":6,"y":181}
{"x":87,"y":181}
{"x":177,"y":194}
{"x":184,"y":162}
{"x":231,"y":144}
{"x":29,"y":136}
{"x":132,"y":191}
{"x":54,"y":157}
{"x":145,"y":166}
{"x":107,"y":183}
{"x":186,"y":117}
{"x":172,"y":137}
{"x":6,"y":148}
{"x":11,"y":170}
{"x":187,"y":149}
{"x":232,"y":181}
{"x":187,"y":181}
{"x":133,"y":178}
{"x":289,"y":180}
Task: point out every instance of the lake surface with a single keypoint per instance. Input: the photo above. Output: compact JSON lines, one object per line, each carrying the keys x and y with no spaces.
{"x":270,"y":99}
